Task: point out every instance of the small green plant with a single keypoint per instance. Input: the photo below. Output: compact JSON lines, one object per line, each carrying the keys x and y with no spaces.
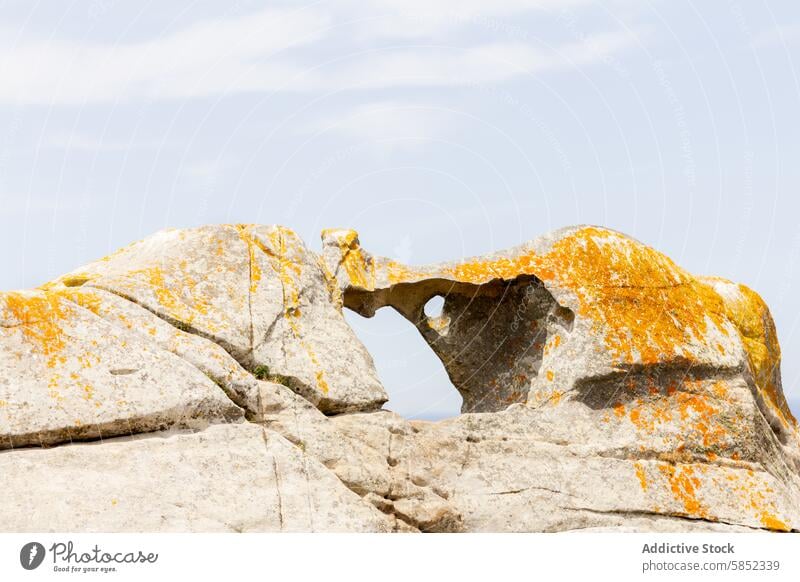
{"x":261,"y":372}
{"x":184,"y":327}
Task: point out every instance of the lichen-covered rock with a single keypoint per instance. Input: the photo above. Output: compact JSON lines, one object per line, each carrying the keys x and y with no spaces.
{"x":604,"y":388}
{"x":257,"y":292}
{"x":66,"y":374}
{"x":629,"y":368}
{"x":579,"y":303}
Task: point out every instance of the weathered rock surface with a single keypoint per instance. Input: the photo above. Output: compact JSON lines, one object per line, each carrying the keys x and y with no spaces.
{"x":231,"y":477}
{"x":257,"y":292}
{"x":67,"y":374}
{"x":604,"y":388}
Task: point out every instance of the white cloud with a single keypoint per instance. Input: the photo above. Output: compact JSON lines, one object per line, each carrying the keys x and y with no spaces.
{"x":259,"y":52}
{"x":207,"y":58}
{"x":424,"y":18}
{"x":486,"y":63}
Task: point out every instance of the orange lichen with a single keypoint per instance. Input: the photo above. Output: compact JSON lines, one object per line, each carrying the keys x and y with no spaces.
{"x":334,"y":292}
{"x":173,"y":297}
{"x":748,"y":311}
{"x":641,"y":475}
{"x":645,"y":307}
{"x":86,"y":299}
{"x":359,"y":267}
{"x":280,"y":247}
{"x":757,"y":497}
{"x":438,"y":324}
{"x":174,"y":289}
{"x":701,"y":419}
{"x":772,"y":522}
{"x":684,"y":485}
{"x":40,"y":316}
{"x":397,"y":272}
{"x":243,"y":230}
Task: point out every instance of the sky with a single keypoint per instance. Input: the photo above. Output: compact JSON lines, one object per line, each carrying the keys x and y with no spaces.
{"x":437,"y":129}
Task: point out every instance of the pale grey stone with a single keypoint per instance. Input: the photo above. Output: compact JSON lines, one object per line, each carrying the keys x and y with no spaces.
{"x":227,"y":478}
{"x":605,"y":389}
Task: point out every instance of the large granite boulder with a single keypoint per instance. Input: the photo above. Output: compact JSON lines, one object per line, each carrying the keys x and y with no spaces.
{"x":257,"y":292}
{"x":604,"y":387}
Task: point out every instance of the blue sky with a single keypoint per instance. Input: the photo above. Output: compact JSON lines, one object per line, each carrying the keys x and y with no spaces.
{"x":437,"y":129}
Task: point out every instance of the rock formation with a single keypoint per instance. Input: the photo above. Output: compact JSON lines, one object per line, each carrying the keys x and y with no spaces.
{"x":206,"y":380}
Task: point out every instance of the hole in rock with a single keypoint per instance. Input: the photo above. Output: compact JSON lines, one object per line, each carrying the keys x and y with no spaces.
{"x":434,"y":306}
{"x":415,"y":379}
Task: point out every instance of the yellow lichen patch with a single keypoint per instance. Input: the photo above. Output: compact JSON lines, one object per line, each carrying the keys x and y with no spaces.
{"x":176,"y":286}
{"x":719,"y":389}
{"x":748,"y":311}
{"x":703,"y":417}
{"x":40,"y":315}
{"x":399,"y":273}
{"x":645,"y":307}
{"x":243,"y":230}
{"x":641,"y":475}
{"x":85,"y":299}
{"x":89,"y":359}
{"x":334,"y":292}
{"x":175,"y":292}
{"x":684,"y":485}
{"x":772,"y":522}
{"x":360,"y":268}
{"x":281,"y":248}
{"x":696,"y":411}
{"x":636,"y":416}
{"x":169,"y":295}
{"x":438,"y":324}
{"x":758,"y":498}
{"x":322,"y":384}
